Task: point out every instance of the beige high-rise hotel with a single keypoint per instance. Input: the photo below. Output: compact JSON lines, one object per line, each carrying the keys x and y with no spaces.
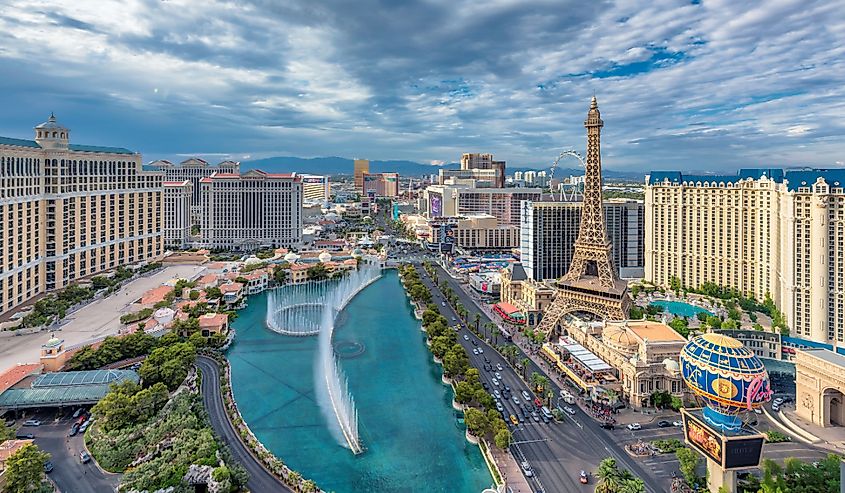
{"x":70,"y":211}
{"x":762,"y":231}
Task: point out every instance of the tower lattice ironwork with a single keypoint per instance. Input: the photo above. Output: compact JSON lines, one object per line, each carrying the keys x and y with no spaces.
{"x":591,"y":284}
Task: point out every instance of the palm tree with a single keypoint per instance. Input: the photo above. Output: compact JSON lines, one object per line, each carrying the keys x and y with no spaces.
{"x":309,"y":486}
{"x":608,"y":476}
{"x":524,"y":362}
{"x":294,"y":478}
{"x":477,"y":321}
{"x":496,"y":333}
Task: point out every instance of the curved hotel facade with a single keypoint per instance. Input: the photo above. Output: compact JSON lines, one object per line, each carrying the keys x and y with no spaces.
{"x":762,"y":231}
{"x":70,"y":211}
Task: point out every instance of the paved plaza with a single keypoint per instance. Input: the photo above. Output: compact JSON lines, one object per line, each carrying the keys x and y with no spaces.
{"x":95,"y":320}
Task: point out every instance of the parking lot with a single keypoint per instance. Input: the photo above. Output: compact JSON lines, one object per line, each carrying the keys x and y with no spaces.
{"x":69,"y":473}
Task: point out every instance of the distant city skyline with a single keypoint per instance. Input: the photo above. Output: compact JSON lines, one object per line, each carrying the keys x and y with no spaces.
{"x":692,"y":86}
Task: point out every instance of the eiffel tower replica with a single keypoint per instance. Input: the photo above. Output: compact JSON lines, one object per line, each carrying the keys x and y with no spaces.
{"x":591,"y":285}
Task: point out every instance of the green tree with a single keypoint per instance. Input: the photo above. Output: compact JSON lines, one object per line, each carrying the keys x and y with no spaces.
{"x":636,"y":313}
{"x":729,"y":324}
{"x":25,"y":469}
{"x":675,"y":285}
{"x":476,"y":421}
{"x":714,"y":322}
{"x":464,"y":392}
{"x":608,"y":476}
{"x":680,"y":325}
{"x":6,"y":433}
{"x":213,"y":293}
{"x":194,"y":295}
{"x":168,"y":365}
{"x":503,"y":439}
{"x":318,"y":272}
{"x":688,"y":460}
{"x":701,"y":316}
{"x":456,"y":361}
{"x":477,"y":322}
{"x":525,"y":363}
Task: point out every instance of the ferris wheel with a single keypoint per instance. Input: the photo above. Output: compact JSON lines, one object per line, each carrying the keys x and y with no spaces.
{"x":568,"y":192}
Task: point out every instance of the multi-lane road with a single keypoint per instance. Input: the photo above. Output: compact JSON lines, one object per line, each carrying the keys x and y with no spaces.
{"x":557,"y":452}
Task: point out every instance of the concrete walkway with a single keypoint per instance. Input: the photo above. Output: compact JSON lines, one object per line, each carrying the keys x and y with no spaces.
{"x":511,"y":472}
{"x":98,"y":319}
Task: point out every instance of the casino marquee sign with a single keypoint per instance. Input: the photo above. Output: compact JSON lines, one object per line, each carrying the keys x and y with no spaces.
{"x":734,"y":450}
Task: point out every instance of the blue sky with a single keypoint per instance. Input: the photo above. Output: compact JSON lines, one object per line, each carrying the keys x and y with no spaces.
{"x":704,"y":86}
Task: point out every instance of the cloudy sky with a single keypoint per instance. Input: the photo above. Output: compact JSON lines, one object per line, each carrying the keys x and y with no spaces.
{"x":707,"y":86}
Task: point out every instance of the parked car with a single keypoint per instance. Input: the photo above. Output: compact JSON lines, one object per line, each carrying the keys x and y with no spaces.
{"x":24,"y":436}
{"x":607,"y":425}
{"x":73,"y":430}
{"x":778,"y":401}
{"x":77,"y":413}
{"x":526,"y":469}
{"x":677,"y":423}
{"x":775,"y":408}
{"x":48,"y":467}
{"x":84,"y":426}
{"x":84,"y":457}
{"x":663,"y":424}
{"x":32,"y":422}
{"x":635,"y":426}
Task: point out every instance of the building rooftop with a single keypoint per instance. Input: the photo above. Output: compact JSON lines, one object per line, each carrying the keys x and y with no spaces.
{"x":17,"y":373}
{"x":71,"y":378}
{"x":213,"y":320}
{"x":66,"y":389}
{"x":794,"y":178}
{"x":826,"y":355}
{"x":654,"y":331}
{"x":155,"y":295}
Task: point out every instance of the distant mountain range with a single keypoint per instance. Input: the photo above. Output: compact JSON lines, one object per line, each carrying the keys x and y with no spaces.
{"x":343,"y":166}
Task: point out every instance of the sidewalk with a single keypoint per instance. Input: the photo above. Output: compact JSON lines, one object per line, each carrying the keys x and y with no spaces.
{"x":832,"y":438}
{"x":511,"y":472}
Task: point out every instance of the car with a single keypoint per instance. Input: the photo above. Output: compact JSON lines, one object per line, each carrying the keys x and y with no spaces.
{"x":73,"y":430}
{"x":499,"y":407}
{"x":48,"y":467}
{"x":535,"y":416}
{"x":495,"y":382}
{"x":32,"y":422}
{"x":480,"y":350}
{"x":635,"y":426}
{"x":443,"y":303}
{"x":757,"y":410}
{"x":474,"y":342}
{"x":514,"y":420}
{"x":498,"y":375}
{"x":488,"y":368}
{"x":484,"y":384}
{"x":526,"y":396}
{"x":545,"y":419}
{"x":84,"y":426}
{"x":568,"y":410}
{"x":507,"y":388}
{"x":777,"y":402}
{"x":526,"y":469}
{"x":607,"y":425}
{"x":466,"y":337}
{"x":497,"y":394}
{"x":84,"y":457}
{"x":475,"y":351}
{"x":10,"y":422}
{"x":583,"y":478}
{"x":499,"y":367}
{"x":775,"y":408}
{"x":77,"y":413}
{"x":663,"y":424}
{"x":677,"y":423}
{"x":515,"y":400}
{"x":486,"y":360}
{"x":24,"y":436}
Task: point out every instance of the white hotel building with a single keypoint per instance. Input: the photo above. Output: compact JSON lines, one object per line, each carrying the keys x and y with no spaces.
{"x":193,"y":170}
{"x":71,"y":211}
{"x":762,"y":231}
{"x":251,"y":210}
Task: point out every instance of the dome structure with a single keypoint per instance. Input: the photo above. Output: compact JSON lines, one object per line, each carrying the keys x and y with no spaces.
{"x":325,"y":257}
{"x":357,"y":253}
{"x":671,"y":365}
{"x":252,"y":260}
{"x":728,"y":376}
{"x":291,"y":257}
{"x":620,"y":339}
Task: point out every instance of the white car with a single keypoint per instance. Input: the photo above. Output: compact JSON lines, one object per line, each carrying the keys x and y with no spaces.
{"x":495,"y":382}
{"x":516,"y":400}
{"x":526,"y":469}
{"x":758,"y":411}
{"x":778,"y":401}
{"x":498,"y":375}
{"x":32,"y":422}
{"x":569,"y":410}
{"x":677,"y":423}
{"x":775,"y":408}
{"x":635,"y":426}
{"x":497,"y":394}
{"x":480,"y":351}
{"x":475,"y":351}
{"x":466,"y":337}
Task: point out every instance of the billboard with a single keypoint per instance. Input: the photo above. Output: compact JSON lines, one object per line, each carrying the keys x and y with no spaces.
{"x":739,"y":450}
{"x":435,"y":204}
{"x":314,"y":179}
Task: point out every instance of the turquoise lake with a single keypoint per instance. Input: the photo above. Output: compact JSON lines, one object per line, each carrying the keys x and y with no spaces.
{"x":406,"y":422}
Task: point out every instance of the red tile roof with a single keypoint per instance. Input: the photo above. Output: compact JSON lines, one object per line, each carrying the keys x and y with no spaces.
{"x":17,"y":373}
{"x":213,"y":320}
{"x":155,"y":295}
{"x":231,"y":288}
